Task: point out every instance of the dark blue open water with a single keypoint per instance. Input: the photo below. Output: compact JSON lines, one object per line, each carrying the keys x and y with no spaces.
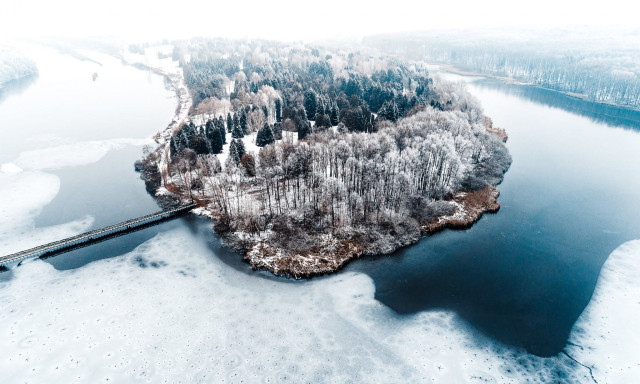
{"x":522,"y":276}
{"x":572,"y":195}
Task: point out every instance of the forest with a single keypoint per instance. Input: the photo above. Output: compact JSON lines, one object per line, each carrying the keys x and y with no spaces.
{"x":14,"y":66}
{"x":306,"y":157}
{"x":575,"y":61}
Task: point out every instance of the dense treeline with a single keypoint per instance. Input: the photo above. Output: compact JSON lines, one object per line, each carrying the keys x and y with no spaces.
{"x":601,"y":69}
{"x":14,"y":66}
{"x":325,"y":145}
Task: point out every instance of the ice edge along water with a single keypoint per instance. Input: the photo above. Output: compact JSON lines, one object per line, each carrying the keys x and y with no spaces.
{"x":170,"y":310}
{"x":193,"y":315}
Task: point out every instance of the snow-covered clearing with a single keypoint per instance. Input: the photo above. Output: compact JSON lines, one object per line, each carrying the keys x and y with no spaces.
{"x":250,"y":144}
{"x":194,"y":318}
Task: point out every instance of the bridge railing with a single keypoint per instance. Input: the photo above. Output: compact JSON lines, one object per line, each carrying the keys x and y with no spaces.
{"x":94,"y":234}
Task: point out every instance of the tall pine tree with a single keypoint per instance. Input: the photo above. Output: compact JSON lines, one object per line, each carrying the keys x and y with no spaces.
{"x":220,"y":126}
{"x":265,"y":136}
{"x":334,"y":116}
{"x":229,"y":122}
{"x":310,"y":103}
{"x":216,"y":140}
{"x":278,"y":110}
{"x":237,"y":132}
{"x":173,"y":149}
{"x":236,"y":121}
{"x":236,"y":150}
{"x":243,"y":122}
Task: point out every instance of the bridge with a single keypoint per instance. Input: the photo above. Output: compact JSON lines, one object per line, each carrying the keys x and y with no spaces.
{"x":88,"y":238}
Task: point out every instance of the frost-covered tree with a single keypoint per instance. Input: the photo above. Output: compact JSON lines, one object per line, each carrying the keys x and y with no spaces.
{"x":216,"y":140}
{"x":278,"y":106}
{"x":199,"y":144}
{"x":237,"y":132}
{"x":236,"y":150}
{"x":264,"y":136}
{"x":310,"y":103}
{"x":334,"y":116}
{"x":389,"y":111}
{"x":229,"y":123}
{"x":173,"y":148}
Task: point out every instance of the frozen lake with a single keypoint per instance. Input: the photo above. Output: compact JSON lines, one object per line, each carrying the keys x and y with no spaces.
{"x":496,"y":303}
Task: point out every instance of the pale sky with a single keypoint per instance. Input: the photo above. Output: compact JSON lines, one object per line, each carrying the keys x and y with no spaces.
{"x":294,"y":20}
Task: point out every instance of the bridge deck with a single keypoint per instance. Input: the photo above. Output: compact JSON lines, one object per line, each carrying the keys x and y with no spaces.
{"x":94,"y":235}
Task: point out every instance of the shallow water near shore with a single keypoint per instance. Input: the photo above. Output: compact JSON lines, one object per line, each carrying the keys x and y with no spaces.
{"x":520,"y":277}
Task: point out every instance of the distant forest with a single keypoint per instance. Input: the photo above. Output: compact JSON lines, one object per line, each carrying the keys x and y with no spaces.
{"x":602,"y":66}
{"x":14,"y":66}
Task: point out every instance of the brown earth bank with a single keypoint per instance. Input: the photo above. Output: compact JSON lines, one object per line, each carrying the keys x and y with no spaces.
{"x":501,"y":133}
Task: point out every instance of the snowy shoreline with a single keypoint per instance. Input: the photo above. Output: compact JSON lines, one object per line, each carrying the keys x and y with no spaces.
{"x":330,"y":253}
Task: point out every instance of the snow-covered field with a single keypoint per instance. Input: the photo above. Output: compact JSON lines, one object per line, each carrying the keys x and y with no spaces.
{"x":172,"y":312}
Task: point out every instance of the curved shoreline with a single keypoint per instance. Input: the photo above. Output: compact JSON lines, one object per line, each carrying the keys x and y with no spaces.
{"x":330,"y":255}
{"x":471,"y":206}
{"x":445,"y":67}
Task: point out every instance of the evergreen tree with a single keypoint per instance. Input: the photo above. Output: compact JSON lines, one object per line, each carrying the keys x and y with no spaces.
{"x":389,"y":111}
{"x":208,"y":130}
{"x":241,"y":149}
{"x":216,"y":140}
{"x":181,"y":140}
{"x":243,"y":122}
{"x":310,"y":103}
{"x":304,"y":128}
{"x":173,"y":149}
{"x":322,"y":121}
{"x":236,"y":121}
{"x":278,"y":110}
{"x":236,"y":150}
{"x":229,"y":122}
{"x":319,"y":108}
{"x":334,"y":116}
{"x":233,"y":152}
{"x":265,"y":111}
{"x":403,"y":105}
{"x":223,"y":133}
{"x":237,"y":132}
{"x":199,"y":144}
{"x":265,"y":136}
{"x":277,"y":131}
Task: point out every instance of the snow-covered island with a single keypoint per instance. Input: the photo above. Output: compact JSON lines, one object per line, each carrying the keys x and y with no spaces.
{"x":307,"y":157}
{"x":14,"y":66}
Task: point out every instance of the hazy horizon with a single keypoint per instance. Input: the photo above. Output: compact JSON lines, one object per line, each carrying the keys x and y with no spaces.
{"x":287,"y":20}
